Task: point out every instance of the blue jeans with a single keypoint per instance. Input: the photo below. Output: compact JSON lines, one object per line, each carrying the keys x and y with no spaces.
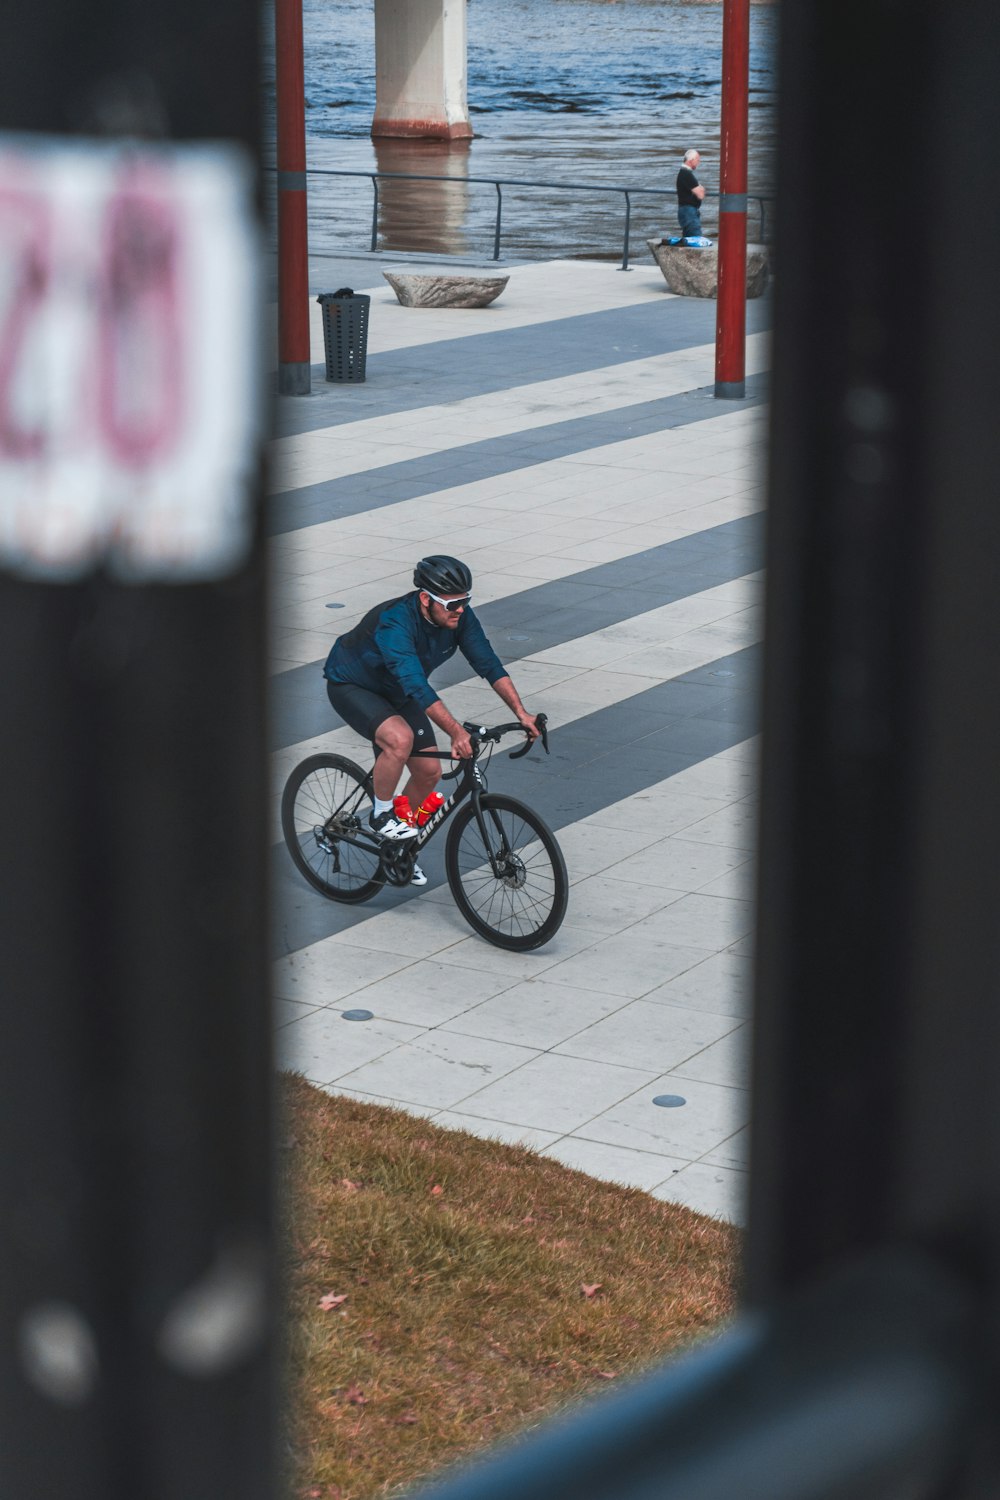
{"x":689,"y":219}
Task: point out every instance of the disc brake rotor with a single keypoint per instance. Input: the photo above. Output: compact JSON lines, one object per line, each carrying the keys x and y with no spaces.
{"x":513,"y":873}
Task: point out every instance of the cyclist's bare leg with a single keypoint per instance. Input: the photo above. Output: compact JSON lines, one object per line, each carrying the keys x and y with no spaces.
{"x":425,"y":774}
{"x":394,"y":738}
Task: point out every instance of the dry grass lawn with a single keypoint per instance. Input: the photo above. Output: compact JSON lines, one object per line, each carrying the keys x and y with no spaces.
{"x":446,"y":1291}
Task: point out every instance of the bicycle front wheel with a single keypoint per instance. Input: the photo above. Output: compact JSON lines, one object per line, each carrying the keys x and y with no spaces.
{"x":512,"y":886}
{"x":326,"y":802}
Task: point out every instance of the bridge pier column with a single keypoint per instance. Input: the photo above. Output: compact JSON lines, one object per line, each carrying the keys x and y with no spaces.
{"x":420,"y":69}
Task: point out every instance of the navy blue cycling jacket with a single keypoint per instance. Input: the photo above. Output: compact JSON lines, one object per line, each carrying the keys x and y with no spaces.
{"x":393,"y":650}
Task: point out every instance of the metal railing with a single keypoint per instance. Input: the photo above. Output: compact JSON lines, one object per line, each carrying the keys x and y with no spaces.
{"x":499,"y":183}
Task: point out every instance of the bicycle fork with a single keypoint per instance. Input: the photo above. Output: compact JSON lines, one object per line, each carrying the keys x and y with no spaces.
{"x":500,"y":861}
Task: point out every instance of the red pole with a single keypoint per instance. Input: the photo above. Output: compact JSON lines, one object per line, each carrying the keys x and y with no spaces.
{"x":730,"y":325}
{"x":293,"y":239}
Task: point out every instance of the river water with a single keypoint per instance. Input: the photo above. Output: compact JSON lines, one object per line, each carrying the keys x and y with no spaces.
{"x":595,"y":91}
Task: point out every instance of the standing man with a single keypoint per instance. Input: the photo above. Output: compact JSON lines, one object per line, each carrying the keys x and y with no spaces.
{"x":689,"y":195}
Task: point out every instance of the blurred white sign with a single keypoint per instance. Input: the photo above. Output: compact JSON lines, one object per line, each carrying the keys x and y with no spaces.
{"x":129,"y":358}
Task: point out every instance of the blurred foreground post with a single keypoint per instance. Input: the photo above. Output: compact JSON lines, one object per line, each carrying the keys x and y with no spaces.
{"x":135,"y":1212}
{"x":731,"y":308}
{"x":294,"y":373}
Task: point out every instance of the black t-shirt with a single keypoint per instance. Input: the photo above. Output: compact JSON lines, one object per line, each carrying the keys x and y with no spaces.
{"x":686,"y":180}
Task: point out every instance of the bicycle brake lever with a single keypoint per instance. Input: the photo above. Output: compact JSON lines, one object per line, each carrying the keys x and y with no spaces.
{"x":541,"y":721}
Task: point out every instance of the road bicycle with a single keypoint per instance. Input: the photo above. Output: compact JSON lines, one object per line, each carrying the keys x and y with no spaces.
{"x":504,"y":866}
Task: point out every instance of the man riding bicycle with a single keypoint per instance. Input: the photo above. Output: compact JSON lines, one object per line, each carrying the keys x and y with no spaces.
{"x":377,"y":681}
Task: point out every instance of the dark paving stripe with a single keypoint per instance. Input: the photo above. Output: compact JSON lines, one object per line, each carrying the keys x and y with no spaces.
{"x":332,"y":499}
{"x":668,"y":728}
{"x":543,"y":616}
{"x":399,"y":379}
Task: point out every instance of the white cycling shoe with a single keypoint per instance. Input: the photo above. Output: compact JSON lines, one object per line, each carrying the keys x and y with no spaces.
{"x":387,"y":826}
{"x":418,"y":877}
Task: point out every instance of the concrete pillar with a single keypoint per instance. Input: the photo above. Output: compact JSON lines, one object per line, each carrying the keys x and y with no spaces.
{"x":420,"y":69}
{"x":426,"y":216}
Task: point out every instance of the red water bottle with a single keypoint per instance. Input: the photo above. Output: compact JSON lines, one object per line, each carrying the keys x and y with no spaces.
{"x":404,"y":812}
{"x":428,"y":808}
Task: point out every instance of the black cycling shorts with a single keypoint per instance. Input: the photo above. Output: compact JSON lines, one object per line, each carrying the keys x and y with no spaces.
{"x":364,"y":711}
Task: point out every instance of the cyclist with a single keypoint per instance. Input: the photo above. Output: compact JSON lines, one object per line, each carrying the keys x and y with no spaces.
{"x":377,"y":681}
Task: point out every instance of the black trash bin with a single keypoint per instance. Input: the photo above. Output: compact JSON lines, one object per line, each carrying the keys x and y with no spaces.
{"x":345,"y":333}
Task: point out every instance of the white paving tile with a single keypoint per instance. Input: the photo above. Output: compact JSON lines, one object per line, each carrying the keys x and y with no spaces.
{"x":323,"y":1046}
{"x":735,"y":826}
{"x":663,"y":1037}
{"x":680,"y":864}
{"x":413,"y":929}
{"x":726,"y":1061}
{"x":329,"y":970}
{"x":698,"y":921}
{"x":607,"y":905}
{"x":428,"y":993}
{"x":710,"y":1116}
{"x":285,"y":1011}
{"x":722,"y":983}
{"x":719,"y":1192}
{"x":554,"y":1093}
{"x":732,"y":1153}
{"x":534,"y":1014}
{"x":475,"y":953}
{"x":440,"y":1069}
{"x":625,"y":965}
{"x":639,"y":1169}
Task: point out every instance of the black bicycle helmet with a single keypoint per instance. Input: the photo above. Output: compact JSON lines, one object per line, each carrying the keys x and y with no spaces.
{"x":442,"y":575}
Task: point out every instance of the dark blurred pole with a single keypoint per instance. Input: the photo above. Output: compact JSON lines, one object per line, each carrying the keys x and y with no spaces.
{"x":294,"y":376}
{"x":731,"y":308}
{"x":135,"y":1208}
{"x":877,"y":1016}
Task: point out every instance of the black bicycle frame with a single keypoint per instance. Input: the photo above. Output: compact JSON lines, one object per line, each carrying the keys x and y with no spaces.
{"x":473,"y":784}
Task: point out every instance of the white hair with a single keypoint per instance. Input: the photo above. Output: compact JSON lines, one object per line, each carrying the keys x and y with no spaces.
{"x":690,"y":155}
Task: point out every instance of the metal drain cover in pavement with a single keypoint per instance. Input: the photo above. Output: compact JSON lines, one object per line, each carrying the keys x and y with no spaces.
{"x":357,"y":1015}
{"x":669,"y":1101}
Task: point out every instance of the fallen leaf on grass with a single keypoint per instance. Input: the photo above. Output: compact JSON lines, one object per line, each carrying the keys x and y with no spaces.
{"x":591,"y":1289}
{"x":331,"y":1300}
{"x":352,"y":1187}
{"x":436,"y":1190}
{"x":407,"y":1419}
{"x":604,"y":1374}
{"x":355,"y":1395}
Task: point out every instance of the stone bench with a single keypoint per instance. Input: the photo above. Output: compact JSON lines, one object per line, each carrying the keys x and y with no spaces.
{"x":443,"y":286}
{"x":691,"y":272}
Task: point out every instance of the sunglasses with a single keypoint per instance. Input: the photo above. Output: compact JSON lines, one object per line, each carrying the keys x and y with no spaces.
{"x":451,"y":605}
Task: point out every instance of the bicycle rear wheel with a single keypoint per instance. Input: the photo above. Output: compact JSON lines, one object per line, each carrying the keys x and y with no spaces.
{"x":325,"y":801}
{"x":521,"y":903}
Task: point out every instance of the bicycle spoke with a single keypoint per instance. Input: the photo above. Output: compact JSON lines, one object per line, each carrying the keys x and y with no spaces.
{"x":326,"y":809}
{"x":516,"y":903}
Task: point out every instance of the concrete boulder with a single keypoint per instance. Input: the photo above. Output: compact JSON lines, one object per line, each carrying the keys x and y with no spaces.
{"x":430,"y":287}
{"x":691,"y":272}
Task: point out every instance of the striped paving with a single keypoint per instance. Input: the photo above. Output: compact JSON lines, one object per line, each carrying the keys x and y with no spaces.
{"x":617,"y":565}
{"x":345,"y":447}
{"x":499,"y":358}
